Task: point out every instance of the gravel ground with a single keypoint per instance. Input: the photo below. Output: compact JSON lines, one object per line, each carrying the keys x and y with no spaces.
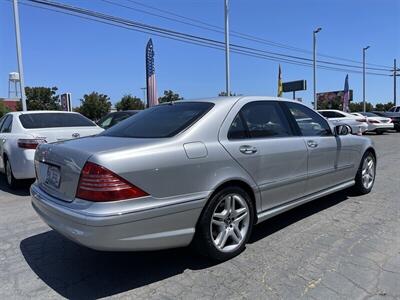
{"x":337,"y":247}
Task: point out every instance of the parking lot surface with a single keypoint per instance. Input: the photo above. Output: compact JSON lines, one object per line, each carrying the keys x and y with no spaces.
{"x":337,"y":247}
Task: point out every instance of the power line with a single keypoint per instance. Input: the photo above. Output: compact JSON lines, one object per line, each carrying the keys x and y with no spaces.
{"x":206,"y":42}
{"x":245,"y":36}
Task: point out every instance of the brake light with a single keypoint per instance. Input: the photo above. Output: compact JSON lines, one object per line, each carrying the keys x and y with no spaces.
{"x":101,"y":185}
{"x":373,"y":121}
{"x":30,"y":143}
{"x":361,"y":120}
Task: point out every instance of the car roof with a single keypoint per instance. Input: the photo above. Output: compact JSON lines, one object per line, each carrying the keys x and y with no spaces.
{"x":18,"y":113}
{"x":234,"y":99}
{"x":335,"y":110}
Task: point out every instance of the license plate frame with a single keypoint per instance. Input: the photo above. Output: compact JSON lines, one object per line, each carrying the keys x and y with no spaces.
{"x":53,"y":176}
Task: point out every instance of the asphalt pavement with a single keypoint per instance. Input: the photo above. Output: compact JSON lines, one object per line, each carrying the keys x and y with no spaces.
{"x":337,"y":247}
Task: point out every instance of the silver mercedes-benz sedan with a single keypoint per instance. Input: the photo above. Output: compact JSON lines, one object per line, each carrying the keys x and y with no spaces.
{"x":200,"y":172}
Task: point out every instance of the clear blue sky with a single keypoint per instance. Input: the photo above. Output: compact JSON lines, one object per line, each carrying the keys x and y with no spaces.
{"x":79,"y":56}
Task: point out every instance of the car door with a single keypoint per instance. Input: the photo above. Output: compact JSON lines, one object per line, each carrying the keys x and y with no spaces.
{"x":259,"y":137}
{"x":5,"y":129}
{"x":324,"y":148}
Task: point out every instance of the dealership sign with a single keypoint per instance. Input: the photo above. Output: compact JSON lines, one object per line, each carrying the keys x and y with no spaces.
{"x":66,"y":102}
{"x":333,"y":100}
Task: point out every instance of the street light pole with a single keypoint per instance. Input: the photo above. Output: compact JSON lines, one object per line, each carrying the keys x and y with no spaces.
{"x":227,"y":67}
{"x":315,"y":65}
{"x":19,"y":54}
{"x":364,"y":49}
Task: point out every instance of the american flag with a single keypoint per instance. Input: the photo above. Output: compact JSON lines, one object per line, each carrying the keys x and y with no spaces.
{"x":151,"y":75}
{"x":346,"y":94}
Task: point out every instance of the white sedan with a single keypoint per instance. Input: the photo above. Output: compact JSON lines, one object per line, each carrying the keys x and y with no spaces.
{"x":376,"y":123}
{"x":22,"y":132}
{"x":358,"y":124}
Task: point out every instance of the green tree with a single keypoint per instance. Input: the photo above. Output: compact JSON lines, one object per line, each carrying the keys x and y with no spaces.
{"x":94,"y":106}
{"x":384,"y":106}
{"x":169,"y":96}
{"x":358,"y":106}
{"x":129,"y":102}
{"x":41,"y":98}
{"x":224,"y":94}
{"x":3,"y":109}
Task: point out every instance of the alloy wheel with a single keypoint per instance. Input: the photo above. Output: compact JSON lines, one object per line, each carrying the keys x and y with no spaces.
{"x":8,"y":173}
{"x":230,"y":223}
{"x":368,"y":172}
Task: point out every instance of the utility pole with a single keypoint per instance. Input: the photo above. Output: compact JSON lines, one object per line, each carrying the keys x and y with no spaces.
{"x":315,"y":65}
{"x":364,"y":49}
{"x":227,"y":67}
{"x":19,"y":55}
{"x":394,"y":81}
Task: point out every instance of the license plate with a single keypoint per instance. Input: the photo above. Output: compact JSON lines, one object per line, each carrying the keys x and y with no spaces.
{"x":53,"y":176}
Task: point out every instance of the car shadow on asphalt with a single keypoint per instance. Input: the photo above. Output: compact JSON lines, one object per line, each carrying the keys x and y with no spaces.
{"x":22,"y":190}
{"x":76,"y":272}
{"x":290,"y":217}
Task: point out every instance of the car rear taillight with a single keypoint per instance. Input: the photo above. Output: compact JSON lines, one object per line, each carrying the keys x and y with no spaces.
{"x":361,"y":120}
{"x":101,"y":185}
{"x":373,"y":121}
{"x":30,"y":143}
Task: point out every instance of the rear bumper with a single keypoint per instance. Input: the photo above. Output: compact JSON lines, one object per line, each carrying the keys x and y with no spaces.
{"x":153,"y":229}
{"x":22,"y":163}
{"x":380,"y":127}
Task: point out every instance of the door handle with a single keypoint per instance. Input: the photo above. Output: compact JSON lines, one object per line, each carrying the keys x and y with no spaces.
{"x":246,"y":149}
{"x":312,"y":144}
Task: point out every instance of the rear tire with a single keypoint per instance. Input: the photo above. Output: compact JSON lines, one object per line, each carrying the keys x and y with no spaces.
{"x":379,"y":132}
{"x":10,"y":179}
{"x":225,"y":224}
{"x":365,"y":177}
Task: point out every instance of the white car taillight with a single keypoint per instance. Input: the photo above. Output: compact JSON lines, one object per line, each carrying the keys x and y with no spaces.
{"x":30,"y":143}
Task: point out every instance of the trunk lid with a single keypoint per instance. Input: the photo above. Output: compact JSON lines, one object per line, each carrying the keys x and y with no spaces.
{"x":69,"y":157}
{"x":64,"y":133}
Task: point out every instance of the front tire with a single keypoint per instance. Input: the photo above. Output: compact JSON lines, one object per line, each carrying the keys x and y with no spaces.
{"x":225,"y":224}
{"x":365,"y":177}
{"x":10,"y":179}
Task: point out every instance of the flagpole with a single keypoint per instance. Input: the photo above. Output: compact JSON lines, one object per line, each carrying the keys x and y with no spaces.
{"x":227,"y":67}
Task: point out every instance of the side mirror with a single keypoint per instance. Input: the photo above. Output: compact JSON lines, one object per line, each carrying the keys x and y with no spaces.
{"x":343,"y":130}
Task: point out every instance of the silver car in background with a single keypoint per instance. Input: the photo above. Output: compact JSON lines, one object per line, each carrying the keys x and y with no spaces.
{"x":200,"y":171}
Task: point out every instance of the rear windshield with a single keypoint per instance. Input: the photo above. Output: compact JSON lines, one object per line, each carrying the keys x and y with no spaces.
{"x":161,"y":121}
{"x":50,"y":120}
{"x":368,"y":114}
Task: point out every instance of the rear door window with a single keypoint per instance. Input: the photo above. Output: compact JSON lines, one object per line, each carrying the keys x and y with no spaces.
{"x":260,"y":119}
{"x":54,"y":120}
{"x":161,"y":121}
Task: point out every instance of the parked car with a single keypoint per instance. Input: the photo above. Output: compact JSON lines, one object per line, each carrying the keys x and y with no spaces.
{"x":395,"y":109}
{"x":114,"y":118}
{"x":202,"y":172}
{"x":376,"y":123}
{"x":395,"y":116}
{"x":22,"y":132}
{"x":357,"y":124}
